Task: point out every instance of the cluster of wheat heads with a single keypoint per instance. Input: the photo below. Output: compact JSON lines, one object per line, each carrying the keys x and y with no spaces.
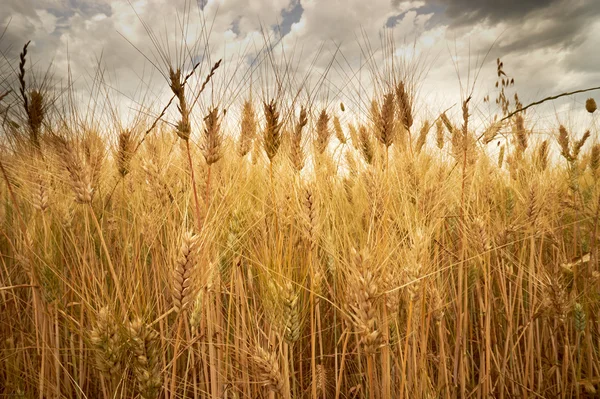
{"x":296,"y":252}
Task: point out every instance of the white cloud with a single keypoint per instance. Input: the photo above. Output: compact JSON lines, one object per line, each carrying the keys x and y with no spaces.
{"x":48,"y":21}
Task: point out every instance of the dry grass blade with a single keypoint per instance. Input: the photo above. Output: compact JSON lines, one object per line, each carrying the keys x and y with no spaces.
{"x":5,"y":94}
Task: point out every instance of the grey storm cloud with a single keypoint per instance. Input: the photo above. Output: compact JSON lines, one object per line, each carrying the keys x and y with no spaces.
{"x":529,"y":24}
{"x":467,"y":11}
{"x":546,"y":43}
{"x":566,"y":25}
{"x":291,"y":16}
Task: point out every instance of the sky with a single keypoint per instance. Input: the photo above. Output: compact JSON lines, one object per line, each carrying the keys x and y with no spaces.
{"x":548,"y":46}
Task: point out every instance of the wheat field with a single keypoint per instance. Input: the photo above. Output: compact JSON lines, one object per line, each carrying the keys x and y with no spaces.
{"x":281,"y":247}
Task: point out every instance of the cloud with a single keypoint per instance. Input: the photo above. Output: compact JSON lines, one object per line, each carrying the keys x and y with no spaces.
{"x":523,"y":24}
{"x":548,"y":45}
{"x":470,"y":11}
{"x":291,"y":16}
{"x":563,"y":25}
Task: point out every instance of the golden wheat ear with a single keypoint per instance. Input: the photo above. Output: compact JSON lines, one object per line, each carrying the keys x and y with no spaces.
{"x":143,"y":341}
{"x":542,"y":155}
{"x":404,"y":106}
{"x":80,"y":172}
{"x":125,"y":149}
{"x":272,"y":132}
{"x":108,"y":341}
{"x":297,"y":156}
{"x":248,"y":128}
{"x":267,"y":371}
{"x":366,"y":145}
{"x":386,"y":120}
{"x":422,"y":139}
{"x":323,"y":132}
{"x":362,"y":295}
{"x":183,"y":284}
{"x":339,"y":131}
{"x":212,"y":138}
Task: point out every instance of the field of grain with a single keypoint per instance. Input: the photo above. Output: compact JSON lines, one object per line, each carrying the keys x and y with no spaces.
{"x":285,"y":247}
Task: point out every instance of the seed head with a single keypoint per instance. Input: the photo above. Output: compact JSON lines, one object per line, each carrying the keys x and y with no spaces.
{"x":124,"y":152}
{"x":323,"y":132}
{"x":272,"y":135}
{"x":211,"y":146}
{"x":579,"y":317}
{"x":248,"y":128}
{"x":590,"y":105}
{"x":296,"y":152}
